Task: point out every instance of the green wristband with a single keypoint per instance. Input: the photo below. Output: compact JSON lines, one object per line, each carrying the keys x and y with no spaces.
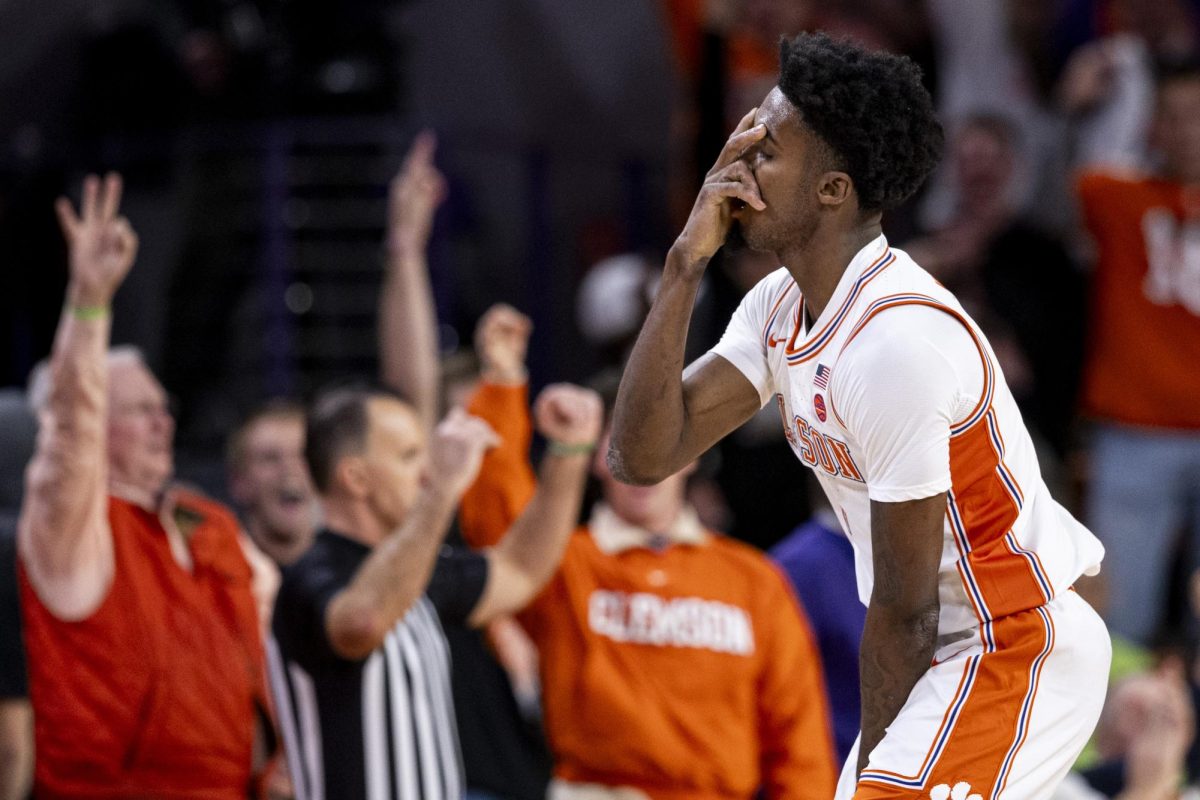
{"x":557,"y":448}
{"x":90,"y":312}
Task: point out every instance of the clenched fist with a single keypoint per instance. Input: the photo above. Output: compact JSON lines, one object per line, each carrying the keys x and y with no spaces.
{"x":501,"y":341}
{"x":101,"y":245}
{"x":459,"y":442}
{"x":569,"y":415}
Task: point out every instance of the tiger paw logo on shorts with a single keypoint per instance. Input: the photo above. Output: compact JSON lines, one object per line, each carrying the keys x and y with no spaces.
{"x":961,"y":791}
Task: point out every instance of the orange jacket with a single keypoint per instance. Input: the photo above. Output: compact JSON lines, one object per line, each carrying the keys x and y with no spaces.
{"x":1143,"y":364}
{"x":155,"y":693}
{"x":687,"y":672}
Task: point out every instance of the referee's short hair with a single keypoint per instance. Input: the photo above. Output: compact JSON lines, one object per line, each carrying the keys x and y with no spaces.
{"x":336,"y":426}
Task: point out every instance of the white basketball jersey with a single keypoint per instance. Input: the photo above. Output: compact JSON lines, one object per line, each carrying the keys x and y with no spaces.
{"x":893,"y":394}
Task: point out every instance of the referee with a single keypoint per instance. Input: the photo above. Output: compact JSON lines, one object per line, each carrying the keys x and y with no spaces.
{"x":358,"y":660}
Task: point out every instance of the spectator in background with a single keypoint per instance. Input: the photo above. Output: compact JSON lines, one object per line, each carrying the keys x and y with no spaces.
{"x":144,"y":651}
{"x":1108,"y":84}
{"x":1143,"y":737}
{"x":497,"y":693}
{"x":727,"y":56}
{"x":408,"y":338}
{"x":16,"y":715}
{"x":19,"y":432}
{"x":492,"y":680}
{"x":988,"y":253}
{"x":1141,"y":380}
{"x":611,"y":303}
{"x":18,"y":436}
{"x":269,"y":481}
{"x":675,"y":662}
{"x":1005,"y":58}
{"x":359,"y":662}
{"x":819,"y":561}
{"x":268,"y":478}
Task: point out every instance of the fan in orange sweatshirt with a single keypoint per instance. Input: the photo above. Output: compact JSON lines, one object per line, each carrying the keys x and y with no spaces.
{"x":675,"y":662}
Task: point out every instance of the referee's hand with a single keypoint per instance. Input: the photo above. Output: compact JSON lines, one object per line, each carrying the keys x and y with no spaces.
{"x":569,"y":415}
{"x":459,"y":442}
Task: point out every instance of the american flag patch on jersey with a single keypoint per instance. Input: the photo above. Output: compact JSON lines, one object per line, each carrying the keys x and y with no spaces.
{"x":821,"y":379}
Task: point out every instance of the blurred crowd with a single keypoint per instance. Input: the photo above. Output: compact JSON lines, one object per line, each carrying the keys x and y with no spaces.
{"x":421,"y":580}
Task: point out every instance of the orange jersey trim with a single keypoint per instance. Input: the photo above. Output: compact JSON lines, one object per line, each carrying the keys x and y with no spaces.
{"x":768,"y":337}
{"x":819,"y":340}
{"x":985,"y":498}
{"x":896,"y":300}
{"x":988,"y":717}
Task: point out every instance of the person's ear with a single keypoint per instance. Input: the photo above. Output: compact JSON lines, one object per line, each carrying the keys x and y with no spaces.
{"x":834,"y":188}
{"x":352,"y":476}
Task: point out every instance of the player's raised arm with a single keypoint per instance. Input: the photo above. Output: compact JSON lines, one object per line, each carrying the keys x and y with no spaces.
{"x":663,"y":419}
{"x":63,"y":534}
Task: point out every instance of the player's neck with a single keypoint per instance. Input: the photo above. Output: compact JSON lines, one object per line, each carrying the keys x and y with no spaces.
{"x":817,"y":265}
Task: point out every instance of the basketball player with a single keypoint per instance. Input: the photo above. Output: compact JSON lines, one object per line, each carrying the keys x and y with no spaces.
{"x":982,"y":673}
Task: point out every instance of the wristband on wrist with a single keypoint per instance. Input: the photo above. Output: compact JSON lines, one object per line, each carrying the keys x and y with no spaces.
{"x":90,"y":312}
{"x":557,"y":448}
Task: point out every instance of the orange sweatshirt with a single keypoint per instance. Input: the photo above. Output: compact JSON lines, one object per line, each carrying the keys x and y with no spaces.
{"x":1144,"y":342}
{"x":687,"y":671}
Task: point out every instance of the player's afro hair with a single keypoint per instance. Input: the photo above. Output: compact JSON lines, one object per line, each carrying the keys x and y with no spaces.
{"x":870,"y":108}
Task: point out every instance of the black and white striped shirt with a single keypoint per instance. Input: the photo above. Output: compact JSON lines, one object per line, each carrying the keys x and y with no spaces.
{"x":381,"y":728}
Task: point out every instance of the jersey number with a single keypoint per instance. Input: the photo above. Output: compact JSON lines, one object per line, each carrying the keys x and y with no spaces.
{"x":1173,"y":250}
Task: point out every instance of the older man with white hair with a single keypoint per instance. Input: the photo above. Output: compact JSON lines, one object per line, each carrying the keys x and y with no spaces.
{"x":145,"y":656}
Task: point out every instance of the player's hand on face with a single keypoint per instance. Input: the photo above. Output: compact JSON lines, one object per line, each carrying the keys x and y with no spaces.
{"x":570,"y":415}
{"x":501,"y":341}
{"x":101,"y":245}
{"x":414,"y":196}
{"x":459,"y":442}
{"x":730,"y":181}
